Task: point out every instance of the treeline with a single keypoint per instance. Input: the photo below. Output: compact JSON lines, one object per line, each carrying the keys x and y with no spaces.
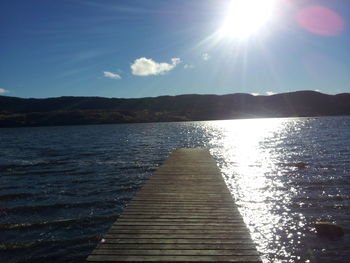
{"x":15,"y":112}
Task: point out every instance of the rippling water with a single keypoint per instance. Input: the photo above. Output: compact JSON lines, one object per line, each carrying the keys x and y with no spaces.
{"x":62,"y":187}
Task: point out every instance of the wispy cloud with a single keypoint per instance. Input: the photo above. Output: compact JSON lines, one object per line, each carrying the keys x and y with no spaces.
{"x":111,"y":75}
{"x":270,"y":93}
{"x":255,"y":94}
{"x":205,"y":56}
{"x":188,"y":66}
{"x":3,"y":91}
{"x":147,"y":66}
{"x":83,"y":56}
{"x":118,"y":7}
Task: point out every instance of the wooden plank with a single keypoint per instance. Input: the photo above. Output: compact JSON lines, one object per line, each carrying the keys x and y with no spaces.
{"x":178,"y":212}
{"x":164,"y":205}
{"x":177,"y":252}
{"x":159,"y":258}
{"x":184,"y":213}
{"x":136,"y":241}
{"x":220,"y":246}
{"x":179,"y":221}
{"x":217,"y":227}
{"x":170,"y":202}
{"x":184,"y":196}
{"x":174,"y":214}
{"x":181,"y":208}
{"x":177,"y":231}
{"x":188,"y":236}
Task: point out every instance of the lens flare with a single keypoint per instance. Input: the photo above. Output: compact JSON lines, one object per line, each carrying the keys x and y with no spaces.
{"x":320,"y":20}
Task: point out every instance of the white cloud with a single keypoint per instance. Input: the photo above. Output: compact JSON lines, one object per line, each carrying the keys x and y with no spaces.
{"x":111,"y":75}
{"x":147,"y":66}
{"x":205,"y":56}
{"x":188,"y":66}
{"x":3,"y":91}
{"x":255,"y":94}
{"x":270,"y":93}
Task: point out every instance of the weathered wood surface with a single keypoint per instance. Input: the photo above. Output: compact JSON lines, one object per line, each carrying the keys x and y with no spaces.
{"x":184,"y":213}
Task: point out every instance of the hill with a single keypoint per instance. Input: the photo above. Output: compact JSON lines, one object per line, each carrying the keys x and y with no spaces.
{"x":16,"y":112}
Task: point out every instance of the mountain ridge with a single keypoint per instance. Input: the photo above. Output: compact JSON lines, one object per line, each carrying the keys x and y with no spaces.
{"x":70,"y":110}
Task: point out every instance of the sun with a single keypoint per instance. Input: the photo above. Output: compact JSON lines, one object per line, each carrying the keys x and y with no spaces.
{"x":245,"y":18}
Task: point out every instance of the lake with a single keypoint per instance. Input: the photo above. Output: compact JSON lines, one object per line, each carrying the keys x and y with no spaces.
{"x":61,"y":188}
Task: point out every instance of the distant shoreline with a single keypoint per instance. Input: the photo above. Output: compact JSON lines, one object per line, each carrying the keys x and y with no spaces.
{"x":150,"y":122}
{"x":19,"y":112}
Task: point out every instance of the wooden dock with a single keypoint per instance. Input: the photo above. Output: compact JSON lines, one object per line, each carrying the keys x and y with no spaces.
{"x":184,"y":213}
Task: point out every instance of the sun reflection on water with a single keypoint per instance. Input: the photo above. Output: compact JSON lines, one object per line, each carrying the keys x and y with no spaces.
{"x":253,"y":172}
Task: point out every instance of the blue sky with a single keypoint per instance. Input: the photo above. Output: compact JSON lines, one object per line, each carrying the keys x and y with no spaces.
{"x":141,"y":48}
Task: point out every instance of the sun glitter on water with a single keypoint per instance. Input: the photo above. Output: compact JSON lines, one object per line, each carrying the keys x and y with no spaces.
{"x":245,"y":18}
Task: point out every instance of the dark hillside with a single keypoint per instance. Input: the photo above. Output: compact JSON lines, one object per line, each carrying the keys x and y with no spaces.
{"x":98,"y":110}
